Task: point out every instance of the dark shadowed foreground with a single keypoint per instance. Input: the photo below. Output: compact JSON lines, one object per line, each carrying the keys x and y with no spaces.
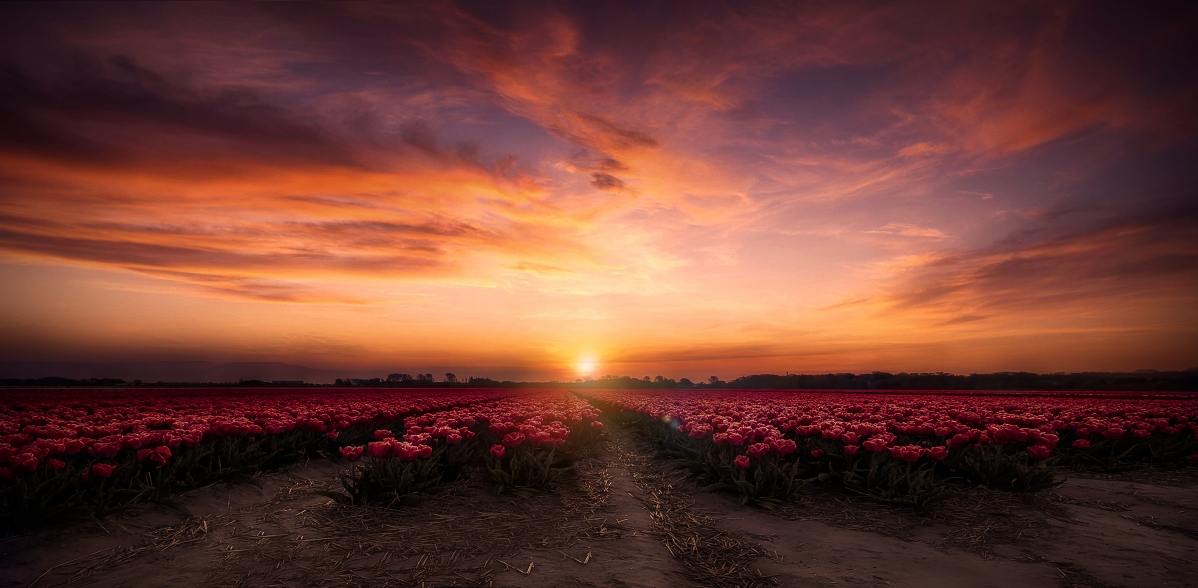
{"x":628,"y":520}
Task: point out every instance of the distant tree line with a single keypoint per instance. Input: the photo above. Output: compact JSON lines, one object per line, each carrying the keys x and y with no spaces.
{"x":1145,"y":380}
{"x":1096,"y":381}
{"x":57,"y":381}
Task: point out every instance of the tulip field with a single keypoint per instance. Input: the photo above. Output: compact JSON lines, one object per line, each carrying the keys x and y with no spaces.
{"x":67,"y":454}
{"x":907,"y":448}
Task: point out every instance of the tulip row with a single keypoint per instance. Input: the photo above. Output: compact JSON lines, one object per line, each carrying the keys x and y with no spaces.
{"x":524,"y":442}
{"x":69,"y":453}
{"x":901,"y":447}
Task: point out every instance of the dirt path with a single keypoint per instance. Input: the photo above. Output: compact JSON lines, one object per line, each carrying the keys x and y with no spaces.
{"x":626,"y":519}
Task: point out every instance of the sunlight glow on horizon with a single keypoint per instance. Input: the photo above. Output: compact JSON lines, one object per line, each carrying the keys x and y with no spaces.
{"x":586,"y":366}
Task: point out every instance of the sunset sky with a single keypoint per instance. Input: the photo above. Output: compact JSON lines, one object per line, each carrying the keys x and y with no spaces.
{"x":683,"y":189}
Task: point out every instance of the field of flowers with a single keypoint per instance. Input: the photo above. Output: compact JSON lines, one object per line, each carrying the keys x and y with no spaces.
{"x":67,"y":454}
{"x":906,"y":448}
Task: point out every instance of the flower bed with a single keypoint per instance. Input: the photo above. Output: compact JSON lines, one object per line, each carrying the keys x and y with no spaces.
{"x":903,"y":448}
{"x":524,"y":442}
{"x":71,"y":453}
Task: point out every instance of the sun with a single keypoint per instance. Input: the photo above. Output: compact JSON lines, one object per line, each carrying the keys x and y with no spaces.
{"x":586,"y":365}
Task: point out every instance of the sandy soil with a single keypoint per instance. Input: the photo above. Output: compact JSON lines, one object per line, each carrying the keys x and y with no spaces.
{"x":626,"y":519}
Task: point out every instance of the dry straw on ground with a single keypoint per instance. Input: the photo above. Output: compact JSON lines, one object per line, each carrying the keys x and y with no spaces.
{"x":712,"y":556}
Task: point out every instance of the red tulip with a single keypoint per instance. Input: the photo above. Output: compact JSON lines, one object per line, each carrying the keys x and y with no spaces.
{"x":334,"y":434}
{"x":381,"y":434}
{"x":596,"y":425}
{"x":453,"y":438}
{"x":158,"y":455}
{"x":817,"y":453}
{"x":103,"y":470}
{"x":1081,"y":444}
{"x":742,"y":462}
{"x":73,"y":446}
{"x":757,"y":450}
{"x":55,"y":464}
{"x":6,"y":474}
{"x":352,"y":452}
{"x":513,"y":439}
{"x":24,"y":462}
{"x":498,"y":451}
{"x":379,"y":449}
{"x":107,"y":449}
{"x":851,"y":449}
{"x":908,"y":453}
{"x":1039,"y":452}
{"x":938,"y":453}
{"x":784,"y":447}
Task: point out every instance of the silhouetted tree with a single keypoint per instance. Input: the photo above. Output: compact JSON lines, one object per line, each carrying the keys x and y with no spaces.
{"x":659,"y":379}
{"x":399,"y":377}
{"x":713,"y":380}
{"x":449,"y":377}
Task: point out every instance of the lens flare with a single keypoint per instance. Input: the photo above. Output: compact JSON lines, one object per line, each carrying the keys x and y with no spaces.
{"x":586,"y":366}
